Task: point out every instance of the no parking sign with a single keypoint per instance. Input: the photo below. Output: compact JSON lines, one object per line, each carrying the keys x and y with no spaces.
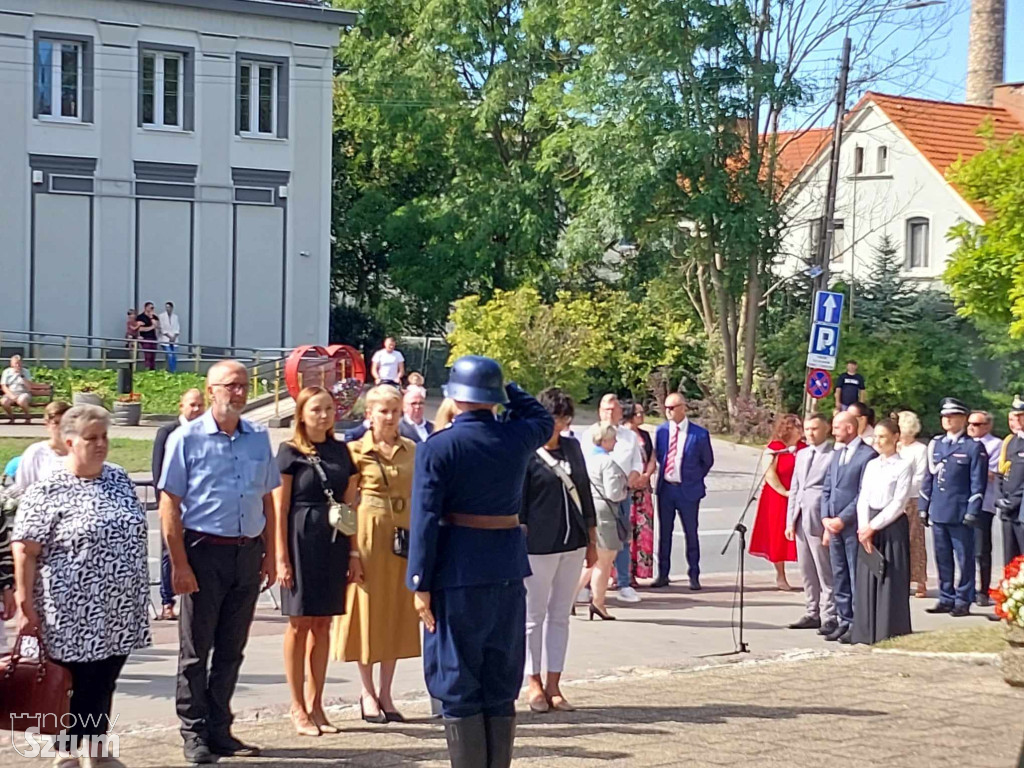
{"x":819,"y":383}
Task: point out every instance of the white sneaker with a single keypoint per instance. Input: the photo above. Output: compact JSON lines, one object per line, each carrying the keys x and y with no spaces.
{"x":583,"y":596}
{"x":628,"y":595}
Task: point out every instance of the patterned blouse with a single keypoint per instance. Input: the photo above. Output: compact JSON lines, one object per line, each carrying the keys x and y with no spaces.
{"x":92,"y":578}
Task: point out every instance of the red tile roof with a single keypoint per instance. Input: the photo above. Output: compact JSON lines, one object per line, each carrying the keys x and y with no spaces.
{"x":798,"y":148}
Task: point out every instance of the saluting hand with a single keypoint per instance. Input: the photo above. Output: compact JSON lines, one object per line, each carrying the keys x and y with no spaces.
{"x":422,"y":602}
{"x":183,"y":581}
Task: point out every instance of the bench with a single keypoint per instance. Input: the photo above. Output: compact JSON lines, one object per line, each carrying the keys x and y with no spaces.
{"x":42,"y":396}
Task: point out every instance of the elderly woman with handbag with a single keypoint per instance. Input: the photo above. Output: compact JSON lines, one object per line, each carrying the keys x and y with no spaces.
{"x":316,"y":551}
{"x":380,"y":625}
{"x":81,"y":573}
{"x":558,"y":512}
{"x":609,"y":486}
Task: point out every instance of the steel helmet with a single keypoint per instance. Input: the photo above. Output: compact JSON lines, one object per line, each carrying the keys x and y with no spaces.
{"x":476,"y":379}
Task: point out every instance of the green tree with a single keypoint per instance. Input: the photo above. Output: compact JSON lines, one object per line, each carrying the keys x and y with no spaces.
{"x":985,"y":274}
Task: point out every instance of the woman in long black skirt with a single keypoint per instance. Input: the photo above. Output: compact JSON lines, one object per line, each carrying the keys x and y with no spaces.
{"x":314,"y":562}
{"x":882,"y":605}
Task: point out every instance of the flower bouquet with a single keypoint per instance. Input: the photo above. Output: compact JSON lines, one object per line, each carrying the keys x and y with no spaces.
{"x":1009,"y":605}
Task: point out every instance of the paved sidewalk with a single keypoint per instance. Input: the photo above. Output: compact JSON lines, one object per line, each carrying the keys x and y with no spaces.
{"x":843,"y":710}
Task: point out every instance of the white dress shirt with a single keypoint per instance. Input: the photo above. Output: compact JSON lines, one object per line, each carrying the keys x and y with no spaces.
{"x":421,"y":429}
{"x":846,"y":450}
{"x":916,"y":454}
{"x":884,"y":486}
{"x":674,"y":474}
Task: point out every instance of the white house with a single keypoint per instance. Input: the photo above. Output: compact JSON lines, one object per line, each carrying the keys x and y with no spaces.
{"x":893,"y":160}
{"x":159,"y":150}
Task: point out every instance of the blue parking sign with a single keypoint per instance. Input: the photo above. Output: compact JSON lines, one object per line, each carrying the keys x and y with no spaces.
{"x":823,"y":346}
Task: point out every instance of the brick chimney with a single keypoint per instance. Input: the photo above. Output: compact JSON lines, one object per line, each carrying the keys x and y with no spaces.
{"x":986,"y":50}
{"x":1010,"y":96}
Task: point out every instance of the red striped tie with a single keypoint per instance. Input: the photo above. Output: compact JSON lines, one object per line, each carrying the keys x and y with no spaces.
{"x":673,"y":445}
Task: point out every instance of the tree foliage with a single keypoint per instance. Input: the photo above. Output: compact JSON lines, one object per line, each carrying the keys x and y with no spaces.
{"x":986,"y":272}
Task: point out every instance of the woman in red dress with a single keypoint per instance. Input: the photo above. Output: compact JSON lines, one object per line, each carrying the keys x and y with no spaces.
{"x":769,"y":537}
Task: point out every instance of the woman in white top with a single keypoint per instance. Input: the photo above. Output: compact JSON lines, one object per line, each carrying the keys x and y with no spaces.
{"x":881,"y":606}
{"x":915,"y":454}
{"x":610,"y":487}
{"x":39,"y":459}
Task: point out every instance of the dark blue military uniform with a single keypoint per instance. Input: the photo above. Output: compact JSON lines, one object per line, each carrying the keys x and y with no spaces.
{"x":474,"y":660}
{"x":951,"y":498}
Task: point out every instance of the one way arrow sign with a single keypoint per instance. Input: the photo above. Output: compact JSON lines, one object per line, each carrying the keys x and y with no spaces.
{"x":828,"y":307}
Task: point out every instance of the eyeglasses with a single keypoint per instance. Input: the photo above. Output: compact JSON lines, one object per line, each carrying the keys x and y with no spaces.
{"x":977,"y":423}
{"x":239,"y":387}
{"x":672,"y":407}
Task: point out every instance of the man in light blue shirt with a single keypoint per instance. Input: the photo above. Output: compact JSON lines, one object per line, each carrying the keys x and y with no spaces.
{"x":218,"y":521}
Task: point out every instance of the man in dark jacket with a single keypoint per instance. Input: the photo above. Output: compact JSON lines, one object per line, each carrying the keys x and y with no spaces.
{"x":190,"y":407}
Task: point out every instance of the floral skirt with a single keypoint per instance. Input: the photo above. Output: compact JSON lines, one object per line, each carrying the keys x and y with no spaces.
{"x":641,"y":515}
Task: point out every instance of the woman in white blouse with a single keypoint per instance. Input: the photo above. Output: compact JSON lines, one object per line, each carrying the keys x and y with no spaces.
{"x":39,"y":459}
{"x":882,"y":603}
{"x":915,"y":454}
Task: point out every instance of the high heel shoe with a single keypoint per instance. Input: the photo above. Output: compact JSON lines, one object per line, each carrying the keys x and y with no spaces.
{"x":309,"y":728}
{"x":595,"y":611}
{"x":320,"y":721}
{"x":379,"y":719}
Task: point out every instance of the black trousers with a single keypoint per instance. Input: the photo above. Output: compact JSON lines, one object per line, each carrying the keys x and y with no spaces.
{"x":983,"y":550}
{"x":1013,"y":540}
{"x":215,"y":620}
{"x":92,"y":694}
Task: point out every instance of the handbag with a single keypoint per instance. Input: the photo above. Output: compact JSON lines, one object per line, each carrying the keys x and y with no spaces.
{"x":621,"y":526}
{"x":35,"y":692}
{"x":400,"y":536}
{"x":340,"y":516}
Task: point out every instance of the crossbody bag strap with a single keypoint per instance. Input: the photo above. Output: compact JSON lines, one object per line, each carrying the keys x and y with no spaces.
{"x":314,"y":461}
{"x":384,"y":477}
{"x":562,"y":475}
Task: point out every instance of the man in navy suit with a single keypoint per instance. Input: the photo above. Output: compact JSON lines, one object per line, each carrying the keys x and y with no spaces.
{"x":684,"y":460}
{"x":951,"y":498}
{"x":839,"y":515}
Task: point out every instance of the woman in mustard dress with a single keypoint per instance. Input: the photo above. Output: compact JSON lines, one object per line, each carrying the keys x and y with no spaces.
{"x":380,"y":625}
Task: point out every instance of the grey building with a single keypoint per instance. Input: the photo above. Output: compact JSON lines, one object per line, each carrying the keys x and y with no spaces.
{"x":157,"y":150}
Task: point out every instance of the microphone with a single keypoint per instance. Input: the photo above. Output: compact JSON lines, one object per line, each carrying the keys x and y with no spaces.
{"x":780,"y":451}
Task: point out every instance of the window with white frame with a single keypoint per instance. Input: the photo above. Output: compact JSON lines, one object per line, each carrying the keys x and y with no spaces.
{"x":258,"y":83}
{"x":883,"y":159}
{"x":163,"y":92}
{"x":59,"y":79}
{"x":917,"y":243}
{"x":838,"y":239}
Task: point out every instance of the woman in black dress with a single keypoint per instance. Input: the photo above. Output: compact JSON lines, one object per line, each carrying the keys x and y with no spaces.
{"x":314,"y":562}
{"x":882,"y":604}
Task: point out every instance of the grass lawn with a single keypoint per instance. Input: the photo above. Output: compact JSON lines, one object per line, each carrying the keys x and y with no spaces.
{"x":133,"y":455}
{"x":984,"y":639}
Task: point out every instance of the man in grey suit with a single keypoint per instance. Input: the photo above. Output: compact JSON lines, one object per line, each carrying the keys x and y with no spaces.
{"x":803,"y":525}
{"x":839,"y":495}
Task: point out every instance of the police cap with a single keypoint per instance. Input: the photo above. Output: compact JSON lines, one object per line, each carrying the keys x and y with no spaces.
{"x":950,"y":406}
{"x":476,"y":379}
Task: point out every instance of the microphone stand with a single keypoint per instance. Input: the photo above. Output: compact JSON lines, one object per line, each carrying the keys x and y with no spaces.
{"x":740,"y":530}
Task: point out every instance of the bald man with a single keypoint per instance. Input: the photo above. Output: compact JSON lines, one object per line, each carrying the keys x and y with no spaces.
{"x":850,"y":454}
{"x":190,"y":407}
{"x":218,"y":520}
{"x":684,"y":460}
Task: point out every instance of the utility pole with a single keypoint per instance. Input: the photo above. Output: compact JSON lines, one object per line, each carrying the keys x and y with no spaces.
{"x":828,"y":219}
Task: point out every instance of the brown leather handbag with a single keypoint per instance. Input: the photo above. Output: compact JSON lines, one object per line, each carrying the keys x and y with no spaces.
{"x":35,"y":692}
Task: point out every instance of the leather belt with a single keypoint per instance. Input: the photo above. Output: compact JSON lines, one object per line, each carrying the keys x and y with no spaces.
{"x":482,"y":522}
{"x":221,"y":541}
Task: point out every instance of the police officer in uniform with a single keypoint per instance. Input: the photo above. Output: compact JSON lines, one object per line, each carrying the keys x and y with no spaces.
{"x":951,"y":498}
{"x":1011,"y":487}
{"x":467,"y":559}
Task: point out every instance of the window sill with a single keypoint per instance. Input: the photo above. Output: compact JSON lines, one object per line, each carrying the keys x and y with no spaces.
{"x":43,"y":120}
{"x":871,"y":177}
{"x":260,"y":137}
{"x":166,"y":130}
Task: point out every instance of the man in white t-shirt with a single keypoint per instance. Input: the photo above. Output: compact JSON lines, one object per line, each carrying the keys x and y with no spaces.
{"x":169,"y":331}
{"x":16,"y":388}
{"x":388,"y":365}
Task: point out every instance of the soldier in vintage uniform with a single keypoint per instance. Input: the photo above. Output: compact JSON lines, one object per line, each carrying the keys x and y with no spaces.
{"x":467,"y":559}
{"x":1011,"y":486}
{"x":951,"y":499}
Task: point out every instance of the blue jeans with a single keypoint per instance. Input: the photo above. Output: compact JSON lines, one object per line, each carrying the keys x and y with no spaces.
{"x":171,"y":353}
{"x":623,"y":559}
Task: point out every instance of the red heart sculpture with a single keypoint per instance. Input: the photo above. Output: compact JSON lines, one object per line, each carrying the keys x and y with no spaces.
{"x":338,"y":368}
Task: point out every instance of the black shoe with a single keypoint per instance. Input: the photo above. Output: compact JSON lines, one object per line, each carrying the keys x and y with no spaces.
{"x":847,"y":637}
{"x":467,"y":741}
{"x":661,"y":581}
{"x":807,"y":622}
{"x":229,"y":746}
{"x":984,"y":601}
{"x":993,"y":617}
{"x":198,"y":753}
{"x":939,"y":608}
{"x":695,"y":584}
{"x":840,"y":630}
{"x":828,"y":627}
{"x":379,"y":719}
{"x":501,"y":735}
{"x":961,"y":610}
{"x":393,"y":717}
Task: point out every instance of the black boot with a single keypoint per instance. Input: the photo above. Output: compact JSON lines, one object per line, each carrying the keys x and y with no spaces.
{"x":467,"y":741}
{"x":501,"y":734}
